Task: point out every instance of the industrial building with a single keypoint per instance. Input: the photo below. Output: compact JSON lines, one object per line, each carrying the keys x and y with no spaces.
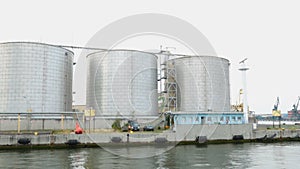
{"x":207,"y":118}
{"x":121,"y":84}
{"x":197,"y":91}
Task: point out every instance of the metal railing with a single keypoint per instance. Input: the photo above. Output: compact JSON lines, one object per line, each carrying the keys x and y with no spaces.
{"x":29,"y":116}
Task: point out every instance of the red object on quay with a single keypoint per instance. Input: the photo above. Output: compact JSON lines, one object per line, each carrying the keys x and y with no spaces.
{"x":78,"y":129}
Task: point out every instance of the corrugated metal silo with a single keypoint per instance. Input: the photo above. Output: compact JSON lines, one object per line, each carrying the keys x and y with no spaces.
{"x":122,"y":82}
{"x":202,"y":83}
{"x":35,"y":77}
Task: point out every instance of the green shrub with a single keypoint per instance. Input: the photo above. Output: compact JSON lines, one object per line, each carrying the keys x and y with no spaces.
{"x":116,"y":125}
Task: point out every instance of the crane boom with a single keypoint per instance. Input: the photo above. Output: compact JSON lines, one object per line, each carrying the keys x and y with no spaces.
{"x":295,"y":106}
{"x":276,"y":104}
{"x":297,"y":103}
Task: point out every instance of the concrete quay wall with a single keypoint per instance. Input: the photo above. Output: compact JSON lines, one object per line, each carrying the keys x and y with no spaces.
{"x":183,"y":133}
{"x":98,"y":138}
{"x":213,"y":132}
{"x":226,"y":132}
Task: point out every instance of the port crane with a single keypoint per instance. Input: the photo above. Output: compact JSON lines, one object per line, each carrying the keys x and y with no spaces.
{"x":276,"y":113}
{"x":295,"y":109}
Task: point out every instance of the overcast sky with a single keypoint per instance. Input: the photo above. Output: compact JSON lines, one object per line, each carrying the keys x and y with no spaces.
{"x":266,"y":32}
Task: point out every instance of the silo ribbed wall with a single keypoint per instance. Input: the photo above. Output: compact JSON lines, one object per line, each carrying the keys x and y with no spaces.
{"x":203,"y":83}
{"x":122,"y":83}
{"x":35,"y":77}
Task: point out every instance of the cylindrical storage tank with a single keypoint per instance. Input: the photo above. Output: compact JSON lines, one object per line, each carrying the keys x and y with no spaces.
{"x":35,"y":77}
{"x":122,"y":82}
{"x":202,"y":83}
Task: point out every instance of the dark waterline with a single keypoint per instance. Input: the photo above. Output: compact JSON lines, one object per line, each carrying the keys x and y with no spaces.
{"x":248,"y":155}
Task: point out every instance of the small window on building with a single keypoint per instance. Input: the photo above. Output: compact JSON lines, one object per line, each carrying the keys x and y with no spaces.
{"x":209,"y":119}
{"x":197,"y":119}
{"x":222,"y":118}
{"x":227,"y":120}
{"x":215,"y":119}
{"x":239,"y":118}
{"x":233,"y":118}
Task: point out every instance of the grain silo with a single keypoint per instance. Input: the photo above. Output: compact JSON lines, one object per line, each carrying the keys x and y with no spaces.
{"x":35,"y":77}
{"x":122,"y":82}
{"x":202,"y":83}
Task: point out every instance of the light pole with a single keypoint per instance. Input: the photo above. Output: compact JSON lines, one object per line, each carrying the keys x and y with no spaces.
{"x":243,"y":68}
